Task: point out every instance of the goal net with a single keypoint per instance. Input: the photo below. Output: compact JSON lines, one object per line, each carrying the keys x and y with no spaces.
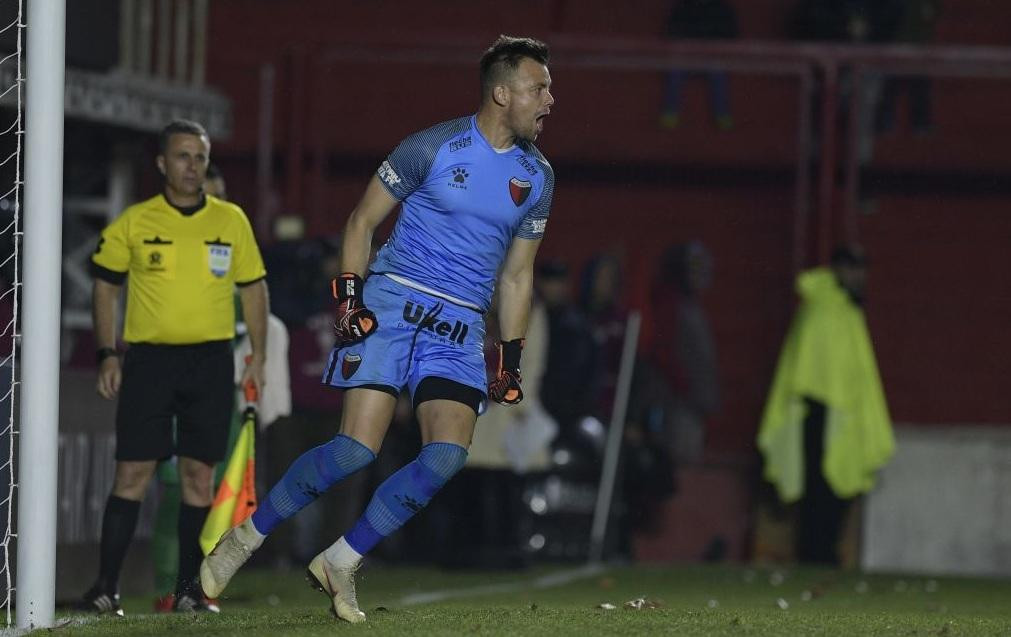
{"x":11,"y":132}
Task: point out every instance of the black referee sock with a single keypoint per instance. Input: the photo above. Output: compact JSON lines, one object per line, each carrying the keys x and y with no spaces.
{"x":118,"y":525}
{"x":191,"y":521}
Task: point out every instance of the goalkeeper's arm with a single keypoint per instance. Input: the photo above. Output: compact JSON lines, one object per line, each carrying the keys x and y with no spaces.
{"x":376,"y":204}
{"x":516,"y":288}
{"x":354,"y":321}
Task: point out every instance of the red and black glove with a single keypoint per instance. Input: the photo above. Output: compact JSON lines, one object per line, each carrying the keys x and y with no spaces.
{"x":505,"y":387}
{"x":354,"y":321}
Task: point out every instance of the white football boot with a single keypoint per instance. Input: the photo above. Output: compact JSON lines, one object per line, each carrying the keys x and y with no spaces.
{"x":337,"y":583}
{"x":224,"y":560}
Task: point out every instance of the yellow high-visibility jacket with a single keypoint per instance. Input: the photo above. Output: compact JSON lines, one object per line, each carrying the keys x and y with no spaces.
{"x":827,"y":356}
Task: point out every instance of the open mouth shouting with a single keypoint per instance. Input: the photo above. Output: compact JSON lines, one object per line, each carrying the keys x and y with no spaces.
{"x":539,"y":121}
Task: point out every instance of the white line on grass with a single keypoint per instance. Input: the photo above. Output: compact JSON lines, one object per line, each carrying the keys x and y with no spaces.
{"x":550,"y":580}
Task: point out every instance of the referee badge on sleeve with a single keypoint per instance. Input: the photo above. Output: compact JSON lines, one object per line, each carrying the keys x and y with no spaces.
{"x":219,"y":257}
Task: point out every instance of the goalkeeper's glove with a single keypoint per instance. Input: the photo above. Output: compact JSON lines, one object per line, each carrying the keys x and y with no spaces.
{"x":354,"y":321}
{"x":505,"y":387}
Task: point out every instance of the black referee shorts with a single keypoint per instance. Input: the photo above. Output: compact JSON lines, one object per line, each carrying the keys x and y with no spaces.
{"x":191,"y":386}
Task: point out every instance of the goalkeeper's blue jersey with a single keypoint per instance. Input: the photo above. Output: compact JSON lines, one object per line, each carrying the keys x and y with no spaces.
{"x":463,"y":202}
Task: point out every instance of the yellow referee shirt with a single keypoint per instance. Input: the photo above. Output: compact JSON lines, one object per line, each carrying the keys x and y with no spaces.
{"x":182,"y":269}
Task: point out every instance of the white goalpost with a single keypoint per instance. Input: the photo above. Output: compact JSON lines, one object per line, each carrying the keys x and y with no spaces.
{"x":40,"y":356}
{"x":615,"y":436}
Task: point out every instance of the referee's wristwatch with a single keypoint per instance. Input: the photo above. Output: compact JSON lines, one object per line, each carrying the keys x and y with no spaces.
{"x":105,"y":352}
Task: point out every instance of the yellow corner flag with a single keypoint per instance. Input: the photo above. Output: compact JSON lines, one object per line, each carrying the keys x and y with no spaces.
{"x":236,"y":498}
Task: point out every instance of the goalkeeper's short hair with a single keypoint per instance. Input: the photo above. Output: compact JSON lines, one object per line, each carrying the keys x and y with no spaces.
{"x":505,"y":55}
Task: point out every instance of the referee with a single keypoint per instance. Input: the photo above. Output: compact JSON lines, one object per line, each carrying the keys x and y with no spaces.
{"x":183,"y":252}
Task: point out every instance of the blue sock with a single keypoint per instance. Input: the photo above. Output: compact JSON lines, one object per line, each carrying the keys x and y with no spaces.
{"x":310,"y":475}
{"x":405,"y":493}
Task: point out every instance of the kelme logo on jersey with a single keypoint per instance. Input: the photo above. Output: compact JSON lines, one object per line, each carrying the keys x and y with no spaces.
{"x":519,"y":190}
{"x":459,"y":178}
{"x":416,"y":314}
{"x":219,"y":259}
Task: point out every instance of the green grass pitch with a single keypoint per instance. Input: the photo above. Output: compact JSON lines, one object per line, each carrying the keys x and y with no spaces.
{"x":688,"y":600}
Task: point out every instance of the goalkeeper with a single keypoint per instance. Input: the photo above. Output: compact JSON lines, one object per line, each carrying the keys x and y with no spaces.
{"x":475,"y":196}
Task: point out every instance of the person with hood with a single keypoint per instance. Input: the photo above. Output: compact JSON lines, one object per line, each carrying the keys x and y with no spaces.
{"x":826,"y":430}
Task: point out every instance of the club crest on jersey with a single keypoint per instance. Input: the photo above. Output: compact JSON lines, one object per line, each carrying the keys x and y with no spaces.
{"x":519,"y":190}
{"x":350,"y":365}
{"x":219,"y":258}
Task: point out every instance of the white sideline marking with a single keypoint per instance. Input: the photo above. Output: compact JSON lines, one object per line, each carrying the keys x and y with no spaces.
{"x":550,"y":580}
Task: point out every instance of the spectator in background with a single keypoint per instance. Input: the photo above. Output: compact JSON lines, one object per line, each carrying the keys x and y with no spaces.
{"x":214,"y":184}
{"x":294,"y":265}
{"x":648,"y":464}
{"x":826,"y":429}
{"x":818,"y":21}
{"x":569,"y":393}
{"x":568,"y":388}
{"x":675,"y":389}
{"x":685,"y":351}
{"x":700,"y":20}
{"x":916,"y":20}
{"x":601,"y":304}
{"x":853,"y":21}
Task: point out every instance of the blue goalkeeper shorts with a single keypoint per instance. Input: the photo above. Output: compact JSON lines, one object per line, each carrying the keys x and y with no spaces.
{"x":419,"y":336}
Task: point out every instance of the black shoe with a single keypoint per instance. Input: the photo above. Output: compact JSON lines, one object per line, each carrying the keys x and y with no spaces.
{"x":99,"y":601}
{"x":194,"y":603}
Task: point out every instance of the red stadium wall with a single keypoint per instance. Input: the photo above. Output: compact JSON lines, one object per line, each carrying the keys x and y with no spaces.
{"x":940,"y":307}
{"x":939,"y":298}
